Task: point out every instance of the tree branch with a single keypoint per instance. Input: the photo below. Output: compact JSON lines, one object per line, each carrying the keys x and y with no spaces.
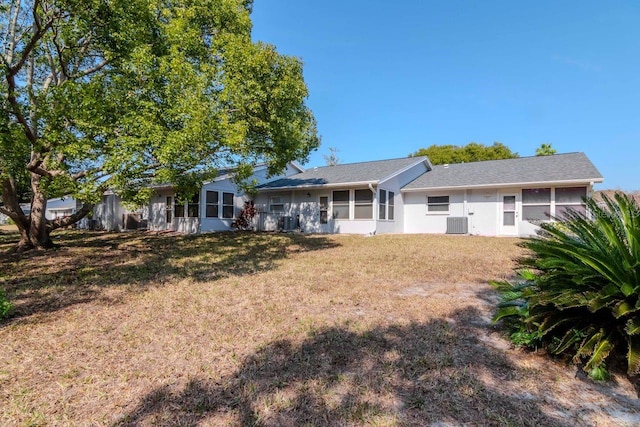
{"x":35,"y":37}
{"x":11,"y":33}
{"x":91,"y":70}
{"x":15,"y":108}
{"x":11,"y":204}
{"x":70,"y":219}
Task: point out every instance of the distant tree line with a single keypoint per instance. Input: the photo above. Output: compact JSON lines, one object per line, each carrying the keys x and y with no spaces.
{"x":474,"y":152}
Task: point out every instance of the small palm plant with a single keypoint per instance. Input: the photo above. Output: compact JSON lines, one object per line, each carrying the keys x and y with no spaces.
{"x":580,"y":287}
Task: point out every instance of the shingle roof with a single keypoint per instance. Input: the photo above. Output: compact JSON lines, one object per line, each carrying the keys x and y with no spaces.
{"x":522,"y":170}
{"x":346,"y":174}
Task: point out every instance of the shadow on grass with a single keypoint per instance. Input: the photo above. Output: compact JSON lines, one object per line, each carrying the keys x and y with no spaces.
{"x":84,"y":262}
{"x":435,"y":373}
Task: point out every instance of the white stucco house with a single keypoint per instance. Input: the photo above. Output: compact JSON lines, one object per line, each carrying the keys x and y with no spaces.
{"x":409,"y":195}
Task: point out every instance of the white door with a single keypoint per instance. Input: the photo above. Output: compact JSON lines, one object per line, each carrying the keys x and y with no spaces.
{"x":168,"y":207}
{"x":325,"y":217}
{"x":508,"y":215}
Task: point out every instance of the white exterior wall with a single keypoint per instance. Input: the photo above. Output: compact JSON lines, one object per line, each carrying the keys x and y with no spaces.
{"x":158,"y":210}
{"x":220,"y":224}
{"x":482,"y":208}
{"x":395,"y":184}
{"x":418,"y":220}
{"x":108,"y":213}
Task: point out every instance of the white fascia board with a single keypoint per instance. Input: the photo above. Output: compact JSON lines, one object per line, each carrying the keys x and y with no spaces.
{"x":507,"y":185}
{"x":309,"y":187}
{"x":297,"y":165}
{"x":406,"y":168}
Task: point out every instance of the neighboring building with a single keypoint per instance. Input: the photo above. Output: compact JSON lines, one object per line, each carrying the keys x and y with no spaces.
{"x":498,"y":197}
{"x":212,"y":209}
{"x":61,"y":206}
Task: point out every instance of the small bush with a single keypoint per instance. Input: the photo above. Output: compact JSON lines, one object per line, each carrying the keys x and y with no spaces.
{"x":245,"y":219}
{"x":579,"y":289}
{"x":5,"y":305}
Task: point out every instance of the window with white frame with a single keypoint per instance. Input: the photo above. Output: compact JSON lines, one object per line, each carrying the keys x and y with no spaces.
{"x":363,"y":204}
{"x":437,"y":204}
{"x":570,"y":198}
{"x":391,"y":203}
{"x":536,"y":204}
{"x":382,"y":205}
{"x":227,"y":205}
{"x":341,"y":204}
{"x":276,"y":204}
{"x":212,"y":203}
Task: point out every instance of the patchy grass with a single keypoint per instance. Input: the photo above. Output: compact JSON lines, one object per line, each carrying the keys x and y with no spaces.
{"x":276,"y":329}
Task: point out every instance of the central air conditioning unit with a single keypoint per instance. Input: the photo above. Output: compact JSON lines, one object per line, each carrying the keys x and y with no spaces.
{"x":457,"y":225}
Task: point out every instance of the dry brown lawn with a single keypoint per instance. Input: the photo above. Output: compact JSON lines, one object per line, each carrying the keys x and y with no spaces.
{"x":277,"y":330}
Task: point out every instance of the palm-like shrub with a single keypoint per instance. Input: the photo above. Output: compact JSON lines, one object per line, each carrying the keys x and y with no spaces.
{"x":581,"y":286}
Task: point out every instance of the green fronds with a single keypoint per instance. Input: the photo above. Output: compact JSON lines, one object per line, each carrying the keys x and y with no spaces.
{"x":581,"y":289}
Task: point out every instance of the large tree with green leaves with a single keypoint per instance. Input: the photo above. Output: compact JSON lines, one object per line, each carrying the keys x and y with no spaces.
{"x":472,"y":152}
{"x":120,"y":94}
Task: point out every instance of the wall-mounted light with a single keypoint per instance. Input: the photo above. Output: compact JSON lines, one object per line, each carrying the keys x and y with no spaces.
{"x":308,"y":194}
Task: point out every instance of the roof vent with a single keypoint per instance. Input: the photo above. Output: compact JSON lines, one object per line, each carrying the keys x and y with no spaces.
{"x":315,"y":168}
{"x":446,"y":165}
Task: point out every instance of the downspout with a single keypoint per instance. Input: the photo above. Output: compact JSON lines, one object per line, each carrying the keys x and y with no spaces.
{"x":375,"y":220}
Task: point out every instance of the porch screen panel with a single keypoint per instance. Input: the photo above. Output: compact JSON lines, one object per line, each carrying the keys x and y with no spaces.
{"x":341,"y":204}
{"x":364,"y":204}
{"x":536,"y":204}
{"x":570,"y":198}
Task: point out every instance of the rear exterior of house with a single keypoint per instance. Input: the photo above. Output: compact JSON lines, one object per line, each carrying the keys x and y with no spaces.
{"x":492,"y":198}
{"x":357,"y":198}
{"x":408,"y":195}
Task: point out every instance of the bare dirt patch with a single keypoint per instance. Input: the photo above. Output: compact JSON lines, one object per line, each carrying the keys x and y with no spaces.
{"x":245,"y":329}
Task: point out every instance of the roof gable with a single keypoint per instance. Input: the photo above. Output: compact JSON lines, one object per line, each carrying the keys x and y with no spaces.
{"x":570,"y":167}
{"x":346,"y":174}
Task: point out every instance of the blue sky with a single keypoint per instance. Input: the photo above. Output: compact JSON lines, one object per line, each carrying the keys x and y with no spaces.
{"x":387,"y":78}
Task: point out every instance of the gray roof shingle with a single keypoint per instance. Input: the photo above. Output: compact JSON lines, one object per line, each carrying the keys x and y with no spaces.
{"x":522,"y":170}
{"x":344,"y":174}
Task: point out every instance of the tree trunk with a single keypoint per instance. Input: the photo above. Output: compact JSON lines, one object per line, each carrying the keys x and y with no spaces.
{"x":35,"y":229}
{"x":38,"y":229}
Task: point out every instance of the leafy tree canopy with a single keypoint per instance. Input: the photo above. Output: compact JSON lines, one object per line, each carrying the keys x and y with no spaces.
{"x":120,"y":94}
{"x":472,"y":152}
{"x":545,"y":150}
